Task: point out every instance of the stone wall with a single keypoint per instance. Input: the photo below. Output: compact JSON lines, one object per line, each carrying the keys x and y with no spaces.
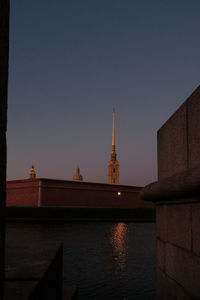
{"x":177,"y":198}
{"x":4,"y":44}
{"x":178,"y":139}
{"x":33,"y":269}
{"x":178,"y":250}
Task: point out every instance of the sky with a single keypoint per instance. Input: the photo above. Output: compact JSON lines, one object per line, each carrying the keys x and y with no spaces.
{"x":72,"y":61}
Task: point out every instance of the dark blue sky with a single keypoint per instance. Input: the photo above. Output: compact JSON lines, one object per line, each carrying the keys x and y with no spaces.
{"x":72,"y":61}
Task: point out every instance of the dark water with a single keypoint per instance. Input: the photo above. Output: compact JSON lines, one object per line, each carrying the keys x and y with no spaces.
{"x":105,"y":260}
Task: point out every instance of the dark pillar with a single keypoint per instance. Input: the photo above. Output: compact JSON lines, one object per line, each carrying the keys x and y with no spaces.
{"x":4,"y":44}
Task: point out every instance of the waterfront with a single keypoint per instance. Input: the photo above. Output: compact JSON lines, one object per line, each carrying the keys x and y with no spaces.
{"x":104,"y":260}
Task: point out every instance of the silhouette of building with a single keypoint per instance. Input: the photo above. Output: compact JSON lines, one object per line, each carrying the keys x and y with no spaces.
{"x":77,"y":176}
{"x":113,"y":167}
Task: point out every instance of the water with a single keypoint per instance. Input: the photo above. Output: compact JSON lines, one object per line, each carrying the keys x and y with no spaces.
{"x":105,"y":260}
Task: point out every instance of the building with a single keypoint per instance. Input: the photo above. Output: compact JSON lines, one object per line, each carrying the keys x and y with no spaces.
{"x":77,"y":176}
{"x":52,"y":192}
{"x":113,"y":166}
{"x":32,"y":174}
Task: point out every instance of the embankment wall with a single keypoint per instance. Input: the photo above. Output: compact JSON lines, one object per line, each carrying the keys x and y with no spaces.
{"x":177,"y":199}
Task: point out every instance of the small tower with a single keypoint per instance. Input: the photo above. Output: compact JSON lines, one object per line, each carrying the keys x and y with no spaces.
{"x":113,"y":167}
{"x":78,"y":176}
{"x":32,"y":174}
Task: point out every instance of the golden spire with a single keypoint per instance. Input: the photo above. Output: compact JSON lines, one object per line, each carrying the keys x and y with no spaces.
{"x":113,"y":166}
{"x":113,"y":130}
{"x":32,"y":174}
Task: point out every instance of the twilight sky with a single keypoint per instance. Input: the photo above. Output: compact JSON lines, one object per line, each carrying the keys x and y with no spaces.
{"x":72,"y":61}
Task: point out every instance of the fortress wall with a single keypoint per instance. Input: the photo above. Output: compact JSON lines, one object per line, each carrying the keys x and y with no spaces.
{"x":53,"y":196}
{"x":22,"y":193}
{"x":177,"y":198}
{"x":50,"y":192}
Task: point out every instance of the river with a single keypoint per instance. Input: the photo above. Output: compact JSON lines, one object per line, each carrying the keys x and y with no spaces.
{"x":104,"y":260}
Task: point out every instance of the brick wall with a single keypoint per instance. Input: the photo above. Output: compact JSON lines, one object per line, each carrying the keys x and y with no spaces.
{"x":23,"y":193}
{"x":49,"y":192}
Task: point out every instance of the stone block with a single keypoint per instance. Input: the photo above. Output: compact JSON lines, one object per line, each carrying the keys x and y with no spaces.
{"x":69,"y":292}
{"x":196,"y":228}
{"x":168,"y":289}
{"x":179,"y":225}
{"x":32,"y":260}
{"x":161,"y":255}
{"x":172,"y":144}
{"x":194,"y":128}
{"x":173,"y":224}
{"x":184,"y":268}
{"x":21,"y":290}
{"x":161,"y":222}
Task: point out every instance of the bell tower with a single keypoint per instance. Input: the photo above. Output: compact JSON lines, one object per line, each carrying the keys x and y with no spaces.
{"x":113,"y":166}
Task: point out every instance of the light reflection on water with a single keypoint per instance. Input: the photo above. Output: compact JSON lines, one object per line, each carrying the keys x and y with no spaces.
{"x":119,"y":244}
{"x":105,"y":260}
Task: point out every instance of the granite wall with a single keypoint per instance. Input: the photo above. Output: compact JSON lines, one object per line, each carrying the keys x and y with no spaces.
{"x":4,"y":45}
{"x":178,"y":139}
{"x":177,"y":198}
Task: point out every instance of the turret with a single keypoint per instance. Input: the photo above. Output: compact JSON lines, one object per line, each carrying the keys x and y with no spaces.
{"x":32,"y":174}
{"x":77,"y":175}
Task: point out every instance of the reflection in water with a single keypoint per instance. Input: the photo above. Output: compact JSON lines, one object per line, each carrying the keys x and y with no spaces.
{"x":104,"y":260}
{"x":119,"y":244}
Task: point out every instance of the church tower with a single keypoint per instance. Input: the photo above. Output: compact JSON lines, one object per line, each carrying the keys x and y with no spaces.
{"x":77,"y":176}
{"x":113,"y":167}
{"x":32,"y":174}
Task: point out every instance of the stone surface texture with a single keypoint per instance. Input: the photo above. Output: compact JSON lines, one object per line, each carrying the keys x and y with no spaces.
{"x":178,"y":249}
{"x":196,"y":228}
{"x":179,"y":139}
{"x":4,"y":42}
{"x":33,"y":270}
{"x":177,"y":198}
{"x":172,"y":144}
{"x":21,"y":290}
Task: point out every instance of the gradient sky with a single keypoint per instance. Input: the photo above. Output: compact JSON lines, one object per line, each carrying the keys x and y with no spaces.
{"x":72,"y":61}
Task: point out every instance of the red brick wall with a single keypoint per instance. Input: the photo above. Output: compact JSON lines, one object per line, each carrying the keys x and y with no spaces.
{"x":72,"y":193}
{"x":22,"y":193}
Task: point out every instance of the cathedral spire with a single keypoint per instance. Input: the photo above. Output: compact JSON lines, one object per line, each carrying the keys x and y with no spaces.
{"x":113,"y":130}
{"x":113,"y":167}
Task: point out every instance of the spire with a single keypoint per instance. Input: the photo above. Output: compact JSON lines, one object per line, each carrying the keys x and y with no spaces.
{"x":113,"y":166}
{"x":113,"y":131}
{"x":32,"y":174}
